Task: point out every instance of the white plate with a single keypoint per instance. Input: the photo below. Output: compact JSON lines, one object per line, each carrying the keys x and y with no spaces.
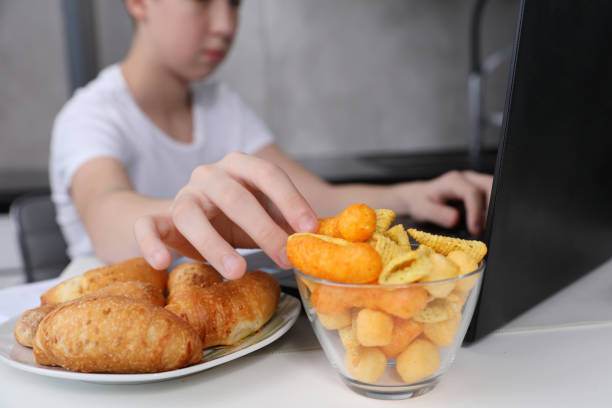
{"x":15,"y":355}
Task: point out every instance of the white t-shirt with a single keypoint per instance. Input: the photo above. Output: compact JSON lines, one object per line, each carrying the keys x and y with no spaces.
{"x":103,"y":120}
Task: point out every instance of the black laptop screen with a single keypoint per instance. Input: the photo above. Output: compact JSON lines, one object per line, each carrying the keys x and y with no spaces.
{"x":550,"y":219}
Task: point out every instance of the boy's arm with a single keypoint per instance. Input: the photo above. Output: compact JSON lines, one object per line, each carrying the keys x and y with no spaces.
{"x":423,"y":200}
{"x":239,"y":202}
{"x":108,"y":207}
{"x":327,"y":199}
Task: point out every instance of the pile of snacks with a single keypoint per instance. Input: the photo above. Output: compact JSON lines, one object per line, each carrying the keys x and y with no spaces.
{"x":376,"y":322}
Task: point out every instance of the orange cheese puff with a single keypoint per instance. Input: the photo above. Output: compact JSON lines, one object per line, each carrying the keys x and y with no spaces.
{"x":443,"y":333}
{"x":329,"y":227}
{"x":368,"y":367}
{"x":335,"y":321}
{"x":333,"y":259}
{"x":356,"y":223}
{"x":403,"y":302}
{"x":418,"y":361}
{"x":329,"y":300}
{"x":404,"y":331}
{"x":373,"y":328}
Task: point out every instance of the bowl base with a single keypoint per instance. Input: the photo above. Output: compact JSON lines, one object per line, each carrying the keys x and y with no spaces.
{"x":391,"y":393}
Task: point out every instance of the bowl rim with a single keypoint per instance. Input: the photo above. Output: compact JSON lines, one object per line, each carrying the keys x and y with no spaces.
{"x":479,"y":270}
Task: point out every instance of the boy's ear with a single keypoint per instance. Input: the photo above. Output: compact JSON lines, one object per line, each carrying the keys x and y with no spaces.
{"x":137,"y":9}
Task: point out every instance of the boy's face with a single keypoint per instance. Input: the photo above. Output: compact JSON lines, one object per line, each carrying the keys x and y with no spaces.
{"x":189,"y":37}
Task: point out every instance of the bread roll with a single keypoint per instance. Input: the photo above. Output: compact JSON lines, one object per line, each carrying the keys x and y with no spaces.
{"x":27,"y":324}
{"x":192,"y":274}
{"x":224,"y":313}
{"x":134,"y":290}
{"x":63,"y":291}
{"x":115,"y":334}
{"x":135,"y":269}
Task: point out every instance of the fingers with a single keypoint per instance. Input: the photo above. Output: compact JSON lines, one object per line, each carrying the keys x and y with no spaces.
{"x":150,"y":243}
{"x":482,"y":181}
{"x":438,"y":213}
{"x":191,"y":221}
{"x":219,"y":209}
{"x":455,"y":185}
{"x":244,"y":210}
{"x":276,"y":185}
{"x":155,"y":233}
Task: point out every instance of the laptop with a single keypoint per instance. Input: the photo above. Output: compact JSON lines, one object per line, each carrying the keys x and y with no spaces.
{"x":550,"y":215}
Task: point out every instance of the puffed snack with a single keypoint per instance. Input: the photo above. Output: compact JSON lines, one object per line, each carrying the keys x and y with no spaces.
{"x":333,"y":259}
{"x":355,"y":223}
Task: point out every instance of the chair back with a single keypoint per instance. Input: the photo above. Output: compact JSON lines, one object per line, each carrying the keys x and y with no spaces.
{"x":41,"y":243}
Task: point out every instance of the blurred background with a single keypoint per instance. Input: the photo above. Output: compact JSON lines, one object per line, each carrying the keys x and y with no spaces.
{"x":357,"y":90}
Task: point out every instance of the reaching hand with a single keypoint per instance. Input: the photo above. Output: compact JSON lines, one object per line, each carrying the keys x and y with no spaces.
{"x":426,"y":200}
{"x":240,"y":201}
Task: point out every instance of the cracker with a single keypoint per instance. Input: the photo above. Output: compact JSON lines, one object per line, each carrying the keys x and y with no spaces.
{"x":387,"y":248}
{"x":384,"y":219}
{"x":399,"y":235}
{"x":445,"y":245}
{"x":407,"y":267}
{"x":437,"y":311}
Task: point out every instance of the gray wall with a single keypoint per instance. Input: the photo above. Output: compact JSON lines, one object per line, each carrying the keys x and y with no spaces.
{"x":328,"y":76}
{"x":33,"y":80}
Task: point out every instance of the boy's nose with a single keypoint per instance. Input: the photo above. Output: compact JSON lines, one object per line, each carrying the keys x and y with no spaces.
{"x":222,"y":18}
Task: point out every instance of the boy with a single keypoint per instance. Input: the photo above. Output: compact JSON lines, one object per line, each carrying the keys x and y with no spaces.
{"x":145,"y":158}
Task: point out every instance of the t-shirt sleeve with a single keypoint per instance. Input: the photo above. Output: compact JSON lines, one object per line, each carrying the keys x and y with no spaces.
{"x":81,"y":132}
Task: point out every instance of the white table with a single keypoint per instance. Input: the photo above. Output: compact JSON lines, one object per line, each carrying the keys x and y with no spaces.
{"x":557,"y":354}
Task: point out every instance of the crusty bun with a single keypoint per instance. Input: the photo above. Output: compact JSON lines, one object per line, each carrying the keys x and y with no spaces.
{"x":27,"y":324}
{"x":192,"y":274}
{"x":115,"y":334}
{"x":135,"y":269}
{"x":134,"y":290}
{"x":224,"y":313}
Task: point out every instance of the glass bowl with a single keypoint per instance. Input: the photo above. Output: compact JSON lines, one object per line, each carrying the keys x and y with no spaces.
{"x":391,"y":341}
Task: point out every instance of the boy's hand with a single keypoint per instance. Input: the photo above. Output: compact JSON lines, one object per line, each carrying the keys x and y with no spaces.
{"x":426,"y":200}
{"x":241,"y":201}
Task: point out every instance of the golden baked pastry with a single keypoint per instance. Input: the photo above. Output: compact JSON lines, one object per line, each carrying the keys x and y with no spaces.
{"x":27,"y":324}
{"x":115,"y":334}
{"x":226,"y":312}
{"x":135,"y":269}
{"x":134,"y":290}
{"x":192,"y":274}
